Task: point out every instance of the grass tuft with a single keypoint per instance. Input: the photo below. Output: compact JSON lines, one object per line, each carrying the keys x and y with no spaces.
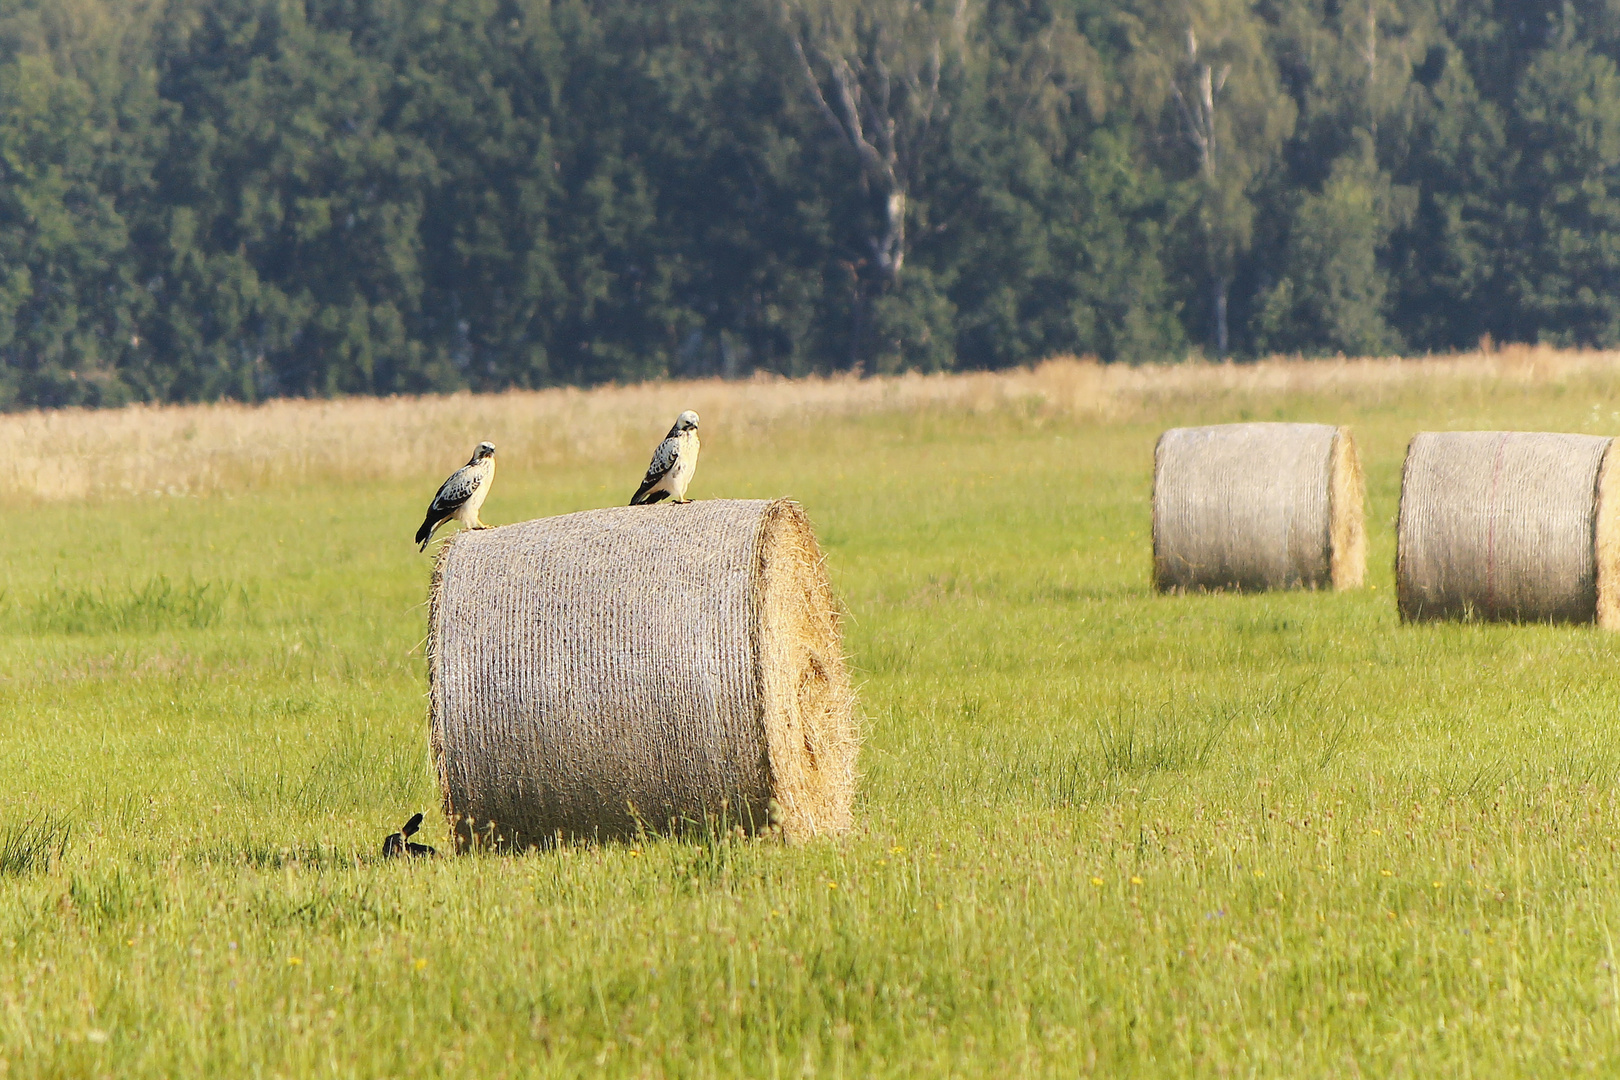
{"x":32,"y":846}
{"x":158,"y":604}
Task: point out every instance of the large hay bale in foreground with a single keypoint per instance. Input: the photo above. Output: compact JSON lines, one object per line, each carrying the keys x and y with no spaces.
{"x":1508,"y":525}
{"x":1257,"y":506}
{"x":649,"y":667}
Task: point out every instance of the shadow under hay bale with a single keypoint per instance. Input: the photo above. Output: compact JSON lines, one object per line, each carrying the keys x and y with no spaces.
{"x":1508,"y":526}
{"x":1250,"y":507}
{"x":650,"y":668}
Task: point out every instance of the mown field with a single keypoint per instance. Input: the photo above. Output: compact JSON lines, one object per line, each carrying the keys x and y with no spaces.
{"x":1098,"y":831}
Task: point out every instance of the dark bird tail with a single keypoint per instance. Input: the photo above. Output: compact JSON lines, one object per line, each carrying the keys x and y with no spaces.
{"x":425,"y":533}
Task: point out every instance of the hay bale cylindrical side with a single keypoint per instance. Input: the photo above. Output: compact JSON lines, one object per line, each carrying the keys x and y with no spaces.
{"x":640,"y":668}
{"x":1510,"y":526}
{"x":1249,"y":507}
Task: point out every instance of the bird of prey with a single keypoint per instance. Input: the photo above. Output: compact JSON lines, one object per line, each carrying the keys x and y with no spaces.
{"x":673,"y":464}
{"x":460,"y":496}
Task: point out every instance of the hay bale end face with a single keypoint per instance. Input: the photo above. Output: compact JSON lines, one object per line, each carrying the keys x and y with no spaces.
{"x":640,"y":668}
{"x":1509,"y":526}
{"x":1250,"y":507}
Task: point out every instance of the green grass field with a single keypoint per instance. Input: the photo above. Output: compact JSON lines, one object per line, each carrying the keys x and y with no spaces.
{"x":1098,"y":831}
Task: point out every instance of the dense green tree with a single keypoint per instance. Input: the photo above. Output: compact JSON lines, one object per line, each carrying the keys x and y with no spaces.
{"x":205,"y":198}
{"x":1563,"y":253}
{"x":1059,"y":230}
{"x":1205,"y":66}
{"x":1332,"y":293}
{"x":76,"y":113}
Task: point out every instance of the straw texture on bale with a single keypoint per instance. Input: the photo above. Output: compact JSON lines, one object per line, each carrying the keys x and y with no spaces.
{"x":1249,"y":507}
{"x":640,"y":668}
{"x":1509,"y":526}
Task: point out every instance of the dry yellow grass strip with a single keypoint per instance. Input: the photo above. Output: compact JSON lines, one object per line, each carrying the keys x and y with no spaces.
{"x":196,"y":449}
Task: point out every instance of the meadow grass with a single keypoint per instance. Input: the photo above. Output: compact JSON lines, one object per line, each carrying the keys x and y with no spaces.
{"x":1098,"y":831}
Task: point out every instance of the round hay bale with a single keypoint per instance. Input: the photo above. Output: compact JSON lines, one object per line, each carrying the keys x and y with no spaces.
{"x":1508,"y":525}
{"x":1250,"y":507}
{"x":640,"y":668}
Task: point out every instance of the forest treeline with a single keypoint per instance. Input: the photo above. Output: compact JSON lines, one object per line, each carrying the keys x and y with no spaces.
{"x":250,"y":198}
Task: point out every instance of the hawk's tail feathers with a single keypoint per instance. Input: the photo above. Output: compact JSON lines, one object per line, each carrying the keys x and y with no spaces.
{"x":425,"y":533}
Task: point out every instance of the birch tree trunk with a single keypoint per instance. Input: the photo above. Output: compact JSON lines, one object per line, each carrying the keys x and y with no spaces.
{"x":872,"y":69}
{"x":1219,"y":79}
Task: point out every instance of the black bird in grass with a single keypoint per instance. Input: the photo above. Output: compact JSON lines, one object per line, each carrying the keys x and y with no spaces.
{"x":397,"y":845}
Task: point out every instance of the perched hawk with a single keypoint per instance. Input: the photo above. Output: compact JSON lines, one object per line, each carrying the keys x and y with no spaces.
{"x":460,"y":496}
{"x":673,"y":464}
